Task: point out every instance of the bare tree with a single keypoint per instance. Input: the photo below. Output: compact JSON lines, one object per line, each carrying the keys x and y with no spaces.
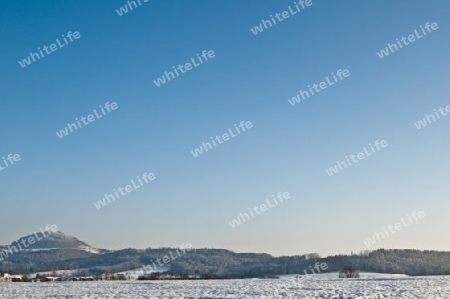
{"x":348,"y":272}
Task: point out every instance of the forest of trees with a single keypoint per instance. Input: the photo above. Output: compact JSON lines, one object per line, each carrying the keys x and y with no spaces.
{"x":230,"y":264}
{"x":227,"y":264}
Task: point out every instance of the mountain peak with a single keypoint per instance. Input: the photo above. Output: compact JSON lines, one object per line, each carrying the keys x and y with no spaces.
{"x":51,"y":240}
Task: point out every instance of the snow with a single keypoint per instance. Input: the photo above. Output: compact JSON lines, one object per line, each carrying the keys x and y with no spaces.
{"x":81,"y":247}
{"x":369,"y":286}
{"x":88,"y":249}
{"x":37,"y":249}
{"x":135,"y":273}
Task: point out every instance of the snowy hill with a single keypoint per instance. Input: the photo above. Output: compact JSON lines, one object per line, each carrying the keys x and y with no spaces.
{"x":55,"y":240}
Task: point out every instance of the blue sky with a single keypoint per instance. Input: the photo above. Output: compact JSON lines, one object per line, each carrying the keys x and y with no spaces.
{"x":251,"y":77}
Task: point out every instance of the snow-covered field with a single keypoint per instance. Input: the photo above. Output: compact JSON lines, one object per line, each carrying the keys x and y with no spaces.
{"x":319,"y":286}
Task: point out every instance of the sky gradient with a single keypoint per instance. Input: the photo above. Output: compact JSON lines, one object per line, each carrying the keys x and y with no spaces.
{"x":250,"y":79}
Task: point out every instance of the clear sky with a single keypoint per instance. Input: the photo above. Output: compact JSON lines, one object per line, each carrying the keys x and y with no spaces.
{"x":250,"y":78}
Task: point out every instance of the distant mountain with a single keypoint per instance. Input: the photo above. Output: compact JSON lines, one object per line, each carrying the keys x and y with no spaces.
{"x":56,"y":251}
{"x":55,"y":240}
{"x":63,"y":252}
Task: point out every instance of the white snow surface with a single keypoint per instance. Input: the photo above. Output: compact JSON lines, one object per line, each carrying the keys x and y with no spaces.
{"x":135,"y":273}
{"x":370,"y":286}
{"x":88,"y":249}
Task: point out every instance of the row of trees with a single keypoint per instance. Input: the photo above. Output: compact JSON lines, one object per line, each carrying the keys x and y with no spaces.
{"x":227,"y":264}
